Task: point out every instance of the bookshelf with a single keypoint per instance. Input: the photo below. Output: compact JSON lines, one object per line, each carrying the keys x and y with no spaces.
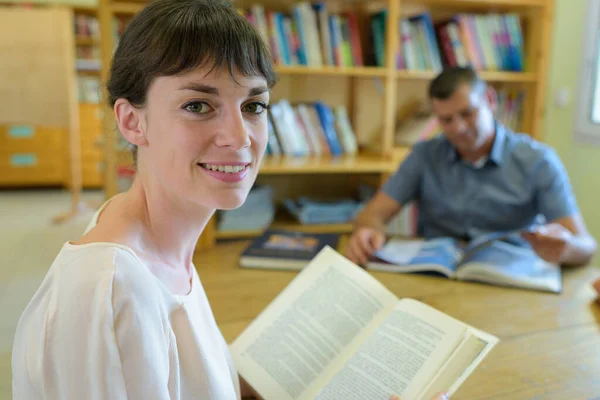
{"x":372,"y":90}
{"x":88,"y":67}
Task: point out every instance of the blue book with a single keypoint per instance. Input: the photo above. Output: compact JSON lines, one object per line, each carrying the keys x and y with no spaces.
{"x":327,"y":120}
{"x":501,"y":259}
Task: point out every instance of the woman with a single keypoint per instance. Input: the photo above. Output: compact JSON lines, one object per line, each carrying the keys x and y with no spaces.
{"x":122,"y":313}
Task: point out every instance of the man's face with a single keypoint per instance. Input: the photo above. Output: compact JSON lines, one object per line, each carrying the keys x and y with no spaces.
{"x":465,"y":117}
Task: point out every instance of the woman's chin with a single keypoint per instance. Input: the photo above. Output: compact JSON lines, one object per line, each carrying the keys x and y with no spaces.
{"x":230,"y":202}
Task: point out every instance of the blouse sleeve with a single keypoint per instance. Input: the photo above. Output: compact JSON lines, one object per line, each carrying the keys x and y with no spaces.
{"x":108,"y":339}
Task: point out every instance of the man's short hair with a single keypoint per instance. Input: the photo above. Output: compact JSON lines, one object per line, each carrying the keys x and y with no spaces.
{"x":444,"y":85}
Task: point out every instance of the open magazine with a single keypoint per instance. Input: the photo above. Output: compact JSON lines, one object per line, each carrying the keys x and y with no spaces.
{"x":335,"y":332}
{"x":494,"y":259}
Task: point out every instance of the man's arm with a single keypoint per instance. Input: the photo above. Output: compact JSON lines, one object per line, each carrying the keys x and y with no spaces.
{"x":370,"y":224}
{"x":401,"y":188}
{"x":582,"y":247}
{"x":378,"y":212}
{"x":565,"y":239}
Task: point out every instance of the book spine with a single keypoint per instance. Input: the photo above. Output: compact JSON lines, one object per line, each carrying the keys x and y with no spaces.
{"x":328,"y":124}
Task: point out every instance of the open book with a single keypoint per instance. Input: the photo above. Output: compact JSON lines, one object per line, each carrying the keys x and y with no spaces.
{"x":335,"y":333}
{"x":491,"y":259}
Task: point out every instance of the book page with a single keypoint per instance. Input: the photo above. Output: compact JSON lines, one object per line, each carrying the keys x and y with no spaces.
{"x":310,"y":324}
{"x":485,"y":240}
{"x":506,"y":264}
{"x":400,"y":356}
{"x":398,"y":255}
{"x":467,"y":356}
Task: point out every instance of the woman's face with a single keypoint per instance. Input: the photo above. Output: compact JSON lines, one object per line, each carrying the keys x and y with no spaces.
{"x":206,"y":135}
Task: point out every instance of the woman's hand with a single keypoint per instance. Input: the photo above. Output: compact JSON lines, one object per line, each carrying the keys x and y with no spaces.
{"x":596,"y":285}
{"x":247,"y":391}
{"x":439,"y":396}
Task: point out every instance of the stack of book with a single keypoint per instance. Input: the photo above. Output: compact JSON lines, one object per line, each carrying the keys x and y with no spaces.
{"x":86,"y":27}
{"x":491,"y":42}
{"x":310,"y":129}
{"x":256,"y":213}
{"x":87,"y":58}
{"x":509,"y":109}
{"x":309,"y":35}
{"x":88,"y":89}
{"x":311,"y":211}
{"x":421,"y":124}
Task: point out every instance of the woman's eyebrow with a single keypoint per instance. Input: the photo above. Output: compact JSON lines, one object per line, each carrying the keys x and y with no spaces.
{"x":203,"y":88}
{"x":257,"y":91}
{"x":200,"y":87}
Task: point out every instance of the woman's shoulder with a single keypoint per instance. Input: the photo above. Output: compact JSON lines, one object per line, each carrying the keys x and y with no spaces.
{"x":92,"y":284}
{"x":107,"y":269}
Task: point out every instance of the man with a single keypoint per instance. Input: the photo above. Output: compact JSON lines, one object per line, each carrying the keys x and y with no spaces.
{"x":478,"y":177}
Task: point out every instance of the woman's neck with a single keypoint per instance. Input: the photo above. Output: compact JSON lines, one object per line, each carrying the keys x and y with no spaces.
{"x":166,"y":228}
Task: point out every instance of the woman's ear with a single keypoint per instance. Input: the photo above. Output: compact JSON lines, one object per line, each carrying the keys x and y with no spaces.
{"x":131,"y":122}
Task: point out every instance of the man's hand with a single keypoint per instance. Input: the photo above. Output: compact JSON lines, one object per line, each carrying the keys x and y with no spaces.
{"x":363,"y":243}
{"x":596,"y":286}
{"x":440,"y":396}
{"x":550,"y":242}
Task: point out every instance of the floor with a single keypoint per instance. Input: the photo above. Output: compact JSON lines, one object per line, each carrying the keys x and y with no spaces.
{"x":29,"y":241}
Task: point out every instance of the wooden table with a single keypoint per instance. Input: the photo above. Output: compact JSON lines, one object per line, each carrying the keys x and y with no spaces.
{"x":550,"y":344}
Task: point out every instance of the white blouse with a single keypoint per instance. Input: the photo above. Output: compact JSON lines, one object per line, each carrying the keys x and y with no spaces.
{"x":102,"y":326}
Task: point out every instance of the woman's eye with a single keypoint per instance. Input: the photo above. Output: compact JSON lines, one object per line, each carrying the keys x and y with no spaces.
{"x":197,"y":107}
{"x":255,"y":108}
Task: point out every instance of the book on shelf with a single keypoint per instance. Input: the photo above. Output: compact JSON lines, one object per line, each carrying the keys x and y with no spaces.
{"x":309,"y":35}
{"x":420,"y":124}
{"x":310,"y":211}
{"x":88,"y":89}
{"x":500,"y":259}
{"x":256,"y":214}
{"x":491,"y":42}
{"x":335,"y":332}
{"x":509,"y":109}
{"x":286,"y":250}
{"x":88,"y":58}
{"x":86,"y":27}
{"x":310,"y":129}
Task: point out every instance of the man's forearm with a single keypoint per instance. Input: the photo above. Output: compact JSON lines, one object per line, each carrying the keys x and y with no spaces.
{"x":580,"y":251}
{"x":368,"y":220}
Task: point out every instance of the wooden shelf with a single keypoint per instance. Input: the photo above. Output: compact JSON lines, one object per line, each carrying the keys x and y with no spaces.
{"x":481,"y":4}
{"x":489,"y":76}
{"x":284,"y":221}
{"x":83,"y":9}
{"x":129,"y":8}
{"x":336,"y":71}
{"x":88,"y":72}
{"x":238,"y":234}
{"x":326,"y":165}
{"x":83,"y":41}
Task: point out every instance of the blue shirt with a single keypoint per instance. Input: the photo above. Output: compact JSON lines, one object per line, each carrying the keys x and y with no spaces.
{"x":521,"y":182}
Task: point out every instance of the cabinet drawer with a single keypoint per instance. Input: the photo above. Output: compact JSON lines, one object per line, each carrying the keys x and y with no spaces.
{"x":22,"y":169}
{"x":22,"y":138}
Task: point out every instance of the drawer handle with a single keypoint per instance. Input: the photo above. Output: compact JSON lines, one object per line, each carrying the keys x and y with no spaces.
{"x":23,"y":160}
{"x":21,"y":131}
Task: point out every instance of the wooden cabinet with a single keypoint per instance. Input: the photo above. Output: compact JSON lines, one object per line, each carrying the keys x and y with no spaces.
{"x":32,"y":155}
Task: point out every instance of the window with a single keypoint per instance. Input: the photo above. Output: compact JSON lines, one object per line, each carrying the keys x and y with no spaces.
{"x":587,"y":123}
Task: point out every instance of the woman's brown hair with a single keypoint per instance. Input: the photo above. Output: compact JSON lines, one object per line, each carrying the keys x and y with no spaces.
{"x":172,"y":37}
